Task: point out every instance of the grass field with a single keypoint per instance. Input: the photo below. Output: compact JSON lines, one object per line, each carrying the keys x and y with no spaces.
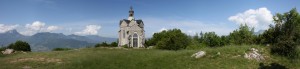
{"x":105,"y":58}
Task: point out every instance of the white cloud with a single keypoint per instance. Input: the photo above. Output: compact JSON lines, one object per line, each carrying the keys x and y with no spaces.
{"x":190,"y":32}
{"x":162,"y":29}
{"x":190,"y":27}
{"x":89,"y":30}
{"x":259,"y":18}
{"x":36,"y":27}
{"x":52,"y":28}
{"x":5,"y":28}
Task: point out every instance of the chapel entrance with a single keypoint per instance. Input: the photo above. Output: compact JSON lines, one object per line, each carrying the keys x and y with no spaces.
{"x":135,"y":40}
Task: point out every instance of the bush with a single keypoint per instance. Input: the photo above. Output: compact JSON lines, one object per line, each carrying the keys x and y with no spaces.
{"x":285,"y":48}
{"x":114,"y":44}
{"x":2,"y":49}
{"x":103,"y":44}
{"x":20,"y":46}
{"x":125,"y":46}
{"x":211,"y":39}
{"x":285,"y":34}
{"x":243,"y":35}
{"x":171,"y":40}
{"x":61,"y":49}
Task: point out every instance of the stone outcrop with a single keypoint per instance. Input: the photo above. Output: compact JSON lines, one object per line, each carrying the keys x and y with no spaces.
{"x":199,"y":54}
{"x":253,"y":54}
{"x":8,"y":51}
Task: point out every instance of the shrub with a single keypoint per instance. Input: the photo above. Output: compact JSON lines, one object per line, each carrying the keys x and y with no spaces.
{"x":211,"y":39}
{"x":114,"y":44}
{"x":2,"y":49}
{"x":61,"y":49}
{"x":125,"y":46}
{"x":285,"y":34}
{"x":20,"y":46}
{"x":171,"y":40}
{"x":243,"y":35}
{"x":103,"y":44}
{"x":97,"y":45}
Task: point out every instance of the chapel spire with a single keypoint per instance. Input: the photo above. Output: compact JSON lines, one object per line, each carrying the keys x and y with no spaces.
{"x":131,"y":13}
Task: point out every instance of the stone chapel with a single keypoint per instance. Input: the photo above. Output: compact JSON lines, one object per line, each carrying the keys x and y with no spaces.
{"x":131,"y":32}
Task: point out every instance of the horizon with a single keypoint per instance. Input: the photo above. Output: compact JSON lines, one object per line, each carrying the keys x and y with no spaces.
{"x":102,"y":18}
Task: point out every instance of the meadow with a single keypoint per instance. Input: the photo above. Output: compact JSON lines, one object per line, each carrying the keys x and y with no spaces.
{"x":230,"y":57}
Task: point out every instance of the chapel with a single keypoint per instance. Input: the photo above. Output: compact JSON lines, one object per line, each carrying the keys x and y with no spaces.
{"x":131,"y":32}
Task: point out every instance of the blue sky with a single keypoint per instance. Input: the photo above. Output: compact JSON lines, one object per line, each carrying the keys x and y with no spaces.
{"x":101,"y":17}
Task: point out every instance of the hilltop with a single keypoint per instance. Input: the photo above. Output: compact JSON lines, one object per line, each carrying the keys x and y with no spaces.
{"x":231,"y":57}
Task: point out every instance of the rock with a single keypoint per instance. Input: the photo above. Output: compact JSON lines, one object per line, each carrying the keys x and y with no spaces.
{"x":268,"y":45}
{"x":26,"y":67}
{"x":8,"y":51}
{"x":150,"y":47}
{"x":23,"y":52}
{"x":253,"y":54}
{"x":199,"y":54}
{"x":236,"y":56}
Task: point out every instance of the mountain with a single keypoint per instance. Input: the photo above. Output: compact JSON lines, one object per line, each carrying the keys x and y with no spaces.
{"x":46,"y":41}
{"x":259,"y":32}
{"x":10,"y":36}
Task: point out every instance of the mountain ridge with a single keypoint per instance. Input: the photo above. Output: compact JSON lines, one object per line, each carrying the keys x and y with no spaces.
{"x":46,"y":41}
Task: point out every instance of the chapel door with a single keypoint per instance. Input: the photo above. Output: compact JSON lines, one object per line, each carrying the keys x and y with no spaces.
{"x":135,"y":40}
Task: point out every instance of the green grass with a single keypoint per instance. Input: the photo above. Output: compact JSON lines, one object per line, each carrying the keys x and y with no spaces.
{"x":104,"y":58}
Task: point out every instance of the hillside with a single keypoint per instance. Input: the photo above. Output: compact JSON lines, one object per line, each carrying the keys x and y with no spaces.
{"x":110,"y":58}
{"x":45,"y":41}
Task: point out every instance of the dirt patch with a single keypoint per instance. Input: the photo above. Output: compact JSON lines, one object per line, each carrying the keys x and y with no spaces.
{"x":43,"y":60}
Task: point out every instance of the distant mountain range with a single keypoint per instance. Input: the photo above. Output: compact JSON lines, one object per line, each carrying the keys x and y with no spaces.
{"x":259,"y":32}
{"x":46,"y":41}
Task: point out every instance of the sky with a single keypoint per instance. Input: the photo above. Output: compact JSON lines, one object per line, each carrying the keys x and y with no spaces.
{"x":102,"y":17}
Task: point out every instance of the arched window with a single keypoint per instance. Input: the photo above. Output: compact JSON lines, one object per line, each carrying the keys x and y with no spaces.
{"x":123,"y":33}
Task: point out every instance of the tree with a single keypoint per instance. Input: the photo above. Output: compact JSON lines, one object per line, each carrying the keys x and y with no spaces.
{"x":114,"y":44}
{"x":284,"y":36}
{"x":20,"y":46}
{"x":243,"y":35}
{"x":172,"y":39}
{"x":211,"y":39}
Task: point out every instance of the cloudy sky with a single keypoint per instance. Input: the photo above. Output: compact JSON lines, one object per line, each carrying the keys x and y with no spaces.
{"x":101,"y":17}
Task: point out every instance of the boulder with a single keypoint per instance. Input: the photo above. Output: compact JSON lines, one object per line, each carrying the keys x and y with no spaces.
{"x":8,"y":51}
{"x":150,"y":47}
{"x":253,"y":54}
{"x":199,"y":54}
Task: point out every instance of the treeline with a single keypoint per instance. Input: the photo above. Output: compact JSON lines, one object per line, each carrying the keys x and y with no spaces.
{"x":242,"y":36}
{"x":282,"y":37}
{"x":105,"y":44}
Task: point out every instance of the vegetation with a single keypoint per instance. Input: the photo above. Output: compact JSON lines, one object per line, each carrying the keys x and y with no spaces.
{"x":243,"y":35}
{"x":125,"y":46}
{"x":211,"y":39}
{"x":114,"y":44}
{"x":2,"y":48}
{"x":61,"y":49}
{"x":104,"y":58}
{"x":105,"y":44}
{"x":20,"y":46}
{"x":172,"y":39}
{"x":284,"y":36}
